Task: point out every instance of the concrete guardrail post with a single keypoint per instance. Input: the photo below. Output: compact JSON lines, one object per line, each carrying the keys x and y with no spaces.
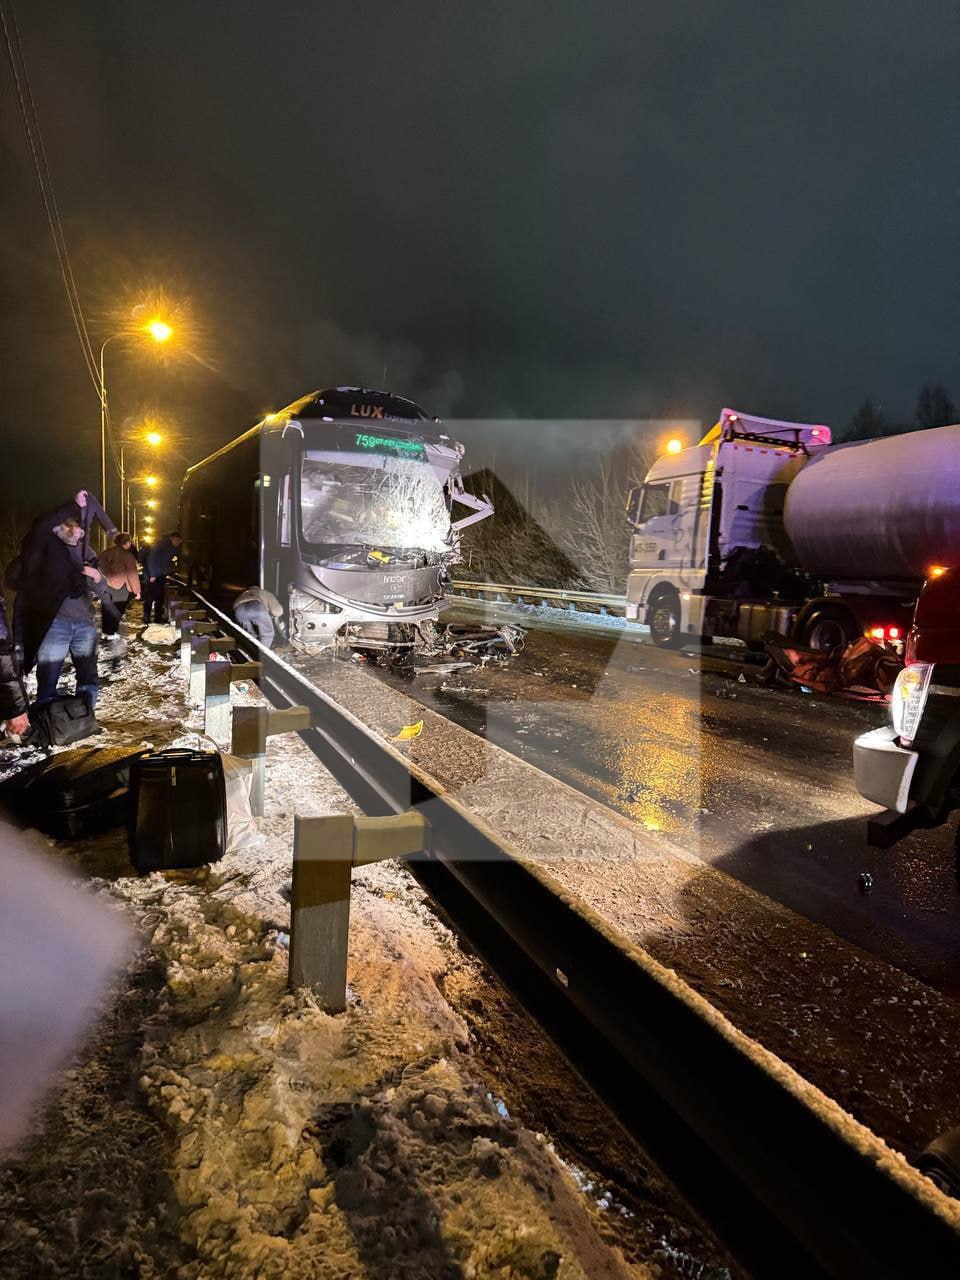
{"x":217,"y":679}
{"x":200,"y":649}
{"x":199,"y":657}
{"x":325,"y":850}
{"x":248,"y":740}
{"x":188,"y":628}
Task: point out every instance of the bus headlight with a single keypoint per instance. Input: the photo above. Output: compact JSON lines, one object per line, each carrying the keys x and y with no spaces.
{"x":908,"y":700}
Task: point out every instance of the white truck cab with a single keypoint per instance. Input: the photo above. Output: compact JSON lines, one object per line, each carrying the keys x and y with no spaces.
{"x":708,"y":552}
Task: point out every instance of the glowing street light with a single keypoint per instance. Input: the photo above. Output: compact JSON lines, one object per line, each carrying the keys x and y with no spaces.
{"x":159,"y":331}
{"x":151,"y":503}
{"x":674,"y":445}
{"x":150,"y":481}
{"x":150,"y":437}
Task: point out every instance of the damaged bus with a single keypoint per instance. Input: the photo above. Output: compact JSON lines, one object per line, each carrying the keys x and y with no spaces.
{"x":345,"y":506}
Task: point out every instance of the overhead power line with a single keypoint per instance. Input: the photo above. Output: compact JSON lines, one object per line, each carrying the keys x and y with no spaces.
{"x":31,"y":124}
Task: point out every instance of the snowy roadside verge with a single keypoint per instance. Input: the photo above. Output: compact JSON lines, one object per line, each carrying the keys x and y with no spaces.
{"x":220,"y":1126}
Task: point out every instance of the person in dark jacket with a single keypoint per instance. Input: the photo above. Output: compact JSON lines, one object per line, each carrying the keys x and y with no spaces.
{"x":157,"y":563}
{"x":82,"y":507}
{"x":56,"y":609}
{"x":13,"y":699}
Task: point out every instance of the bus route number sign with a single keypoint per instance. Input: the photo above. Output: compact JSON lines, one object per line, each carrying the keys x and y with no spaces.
{"x":389,"y":444}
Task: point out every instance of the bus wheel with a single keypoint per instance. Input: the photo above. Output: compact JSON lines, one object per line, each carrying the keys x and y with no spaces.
{"x":664,"y":619}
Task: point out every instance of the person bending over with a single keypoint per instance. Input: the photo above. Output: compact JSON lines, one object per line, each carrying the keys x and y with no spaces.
{"x":259,"y":613}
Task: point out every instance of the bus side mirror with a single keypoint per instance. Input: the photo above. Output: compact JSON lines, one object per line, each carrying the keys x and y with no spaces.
{"x":633,"y":505}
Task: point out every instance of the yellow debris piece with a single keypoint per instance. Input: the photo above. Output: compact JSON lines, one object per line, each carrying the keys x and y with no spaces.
{"x":409,"y":731}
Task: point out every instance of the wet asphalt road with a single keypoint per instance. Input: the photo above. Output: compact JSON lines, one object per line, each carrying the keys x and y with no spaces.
{"x":757,"y":783}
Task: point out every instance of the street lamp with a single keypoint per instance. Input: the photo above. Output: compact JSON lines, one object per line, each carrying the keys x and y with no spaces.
{"x":152,"y":438}
{"x":160,"y":332}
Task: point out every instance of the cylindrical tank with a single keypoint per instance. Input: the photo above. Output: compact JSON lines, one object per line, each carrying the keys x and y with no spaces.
{"x":883,"y":510}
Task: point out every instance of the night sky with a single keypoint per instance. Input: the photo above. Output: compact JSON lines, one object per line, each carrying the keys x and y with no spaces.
{"x":554,"y":210}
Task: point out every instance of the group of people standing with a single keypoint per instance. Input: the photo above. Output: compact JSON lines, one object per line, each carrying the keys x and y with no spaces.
{"x":57,"y":577}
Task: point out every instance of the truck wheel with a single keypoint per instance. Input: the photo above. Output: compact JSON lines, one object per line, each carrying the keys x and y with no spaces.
{"x":664,"y":618}
{"x":828,"y":628}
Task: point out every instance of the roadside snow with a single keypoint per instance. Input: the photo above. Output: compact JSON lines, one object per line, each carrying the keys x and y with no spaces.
{"x":220,"y":1126}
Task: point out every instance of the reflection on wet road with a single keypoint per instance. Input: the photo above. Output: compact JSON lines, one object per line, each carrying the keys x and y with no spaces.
{"x":758,"y":783}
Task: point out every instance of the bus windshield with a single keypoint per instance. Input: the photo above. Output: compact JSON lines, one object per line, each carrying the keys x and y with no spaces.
{"x":377,"y":502}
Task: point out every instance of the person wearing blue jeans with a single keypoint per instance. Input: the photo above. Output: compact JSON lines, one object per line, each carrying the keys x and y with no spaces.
{"x":78,"y":637}
{"x":58,"y":612}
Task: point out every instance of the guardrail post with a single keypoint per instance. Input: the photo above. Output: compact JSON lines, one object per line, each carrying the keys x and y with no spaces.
{"x":324,"y":852}
{"x":195,"y":628}
{"x":216,"y":698}
{"x":189,"y":627}
{"x":178,"y":613}
{"x":196,"y":654}
{"x":199,"y":657}
{"x":217,"y":679}
{"x":248,"y":740}
{"x":186,"y":631}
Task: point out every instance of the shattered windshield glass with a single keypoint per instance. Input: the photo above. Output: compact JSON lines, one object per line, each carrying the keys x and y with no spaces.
{"x":396,"y":503}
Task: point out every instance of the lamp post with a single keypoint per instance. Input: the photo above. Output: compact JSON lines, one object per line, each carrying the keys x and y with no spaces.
{"x":151,"y":482}
{"x":160,"y":332}
{"x":103,"y":421}
{"x":154,"y":439}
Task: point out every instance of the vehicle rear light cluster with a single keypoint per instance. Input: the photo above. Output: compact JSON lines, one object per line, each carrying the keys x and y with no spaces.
{"x":908,"y":699}
{"x":883,"y":632}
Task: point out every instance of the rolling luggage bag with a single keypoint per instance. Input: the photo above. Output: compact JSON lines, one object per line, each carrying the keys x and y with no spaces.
{"x":75,"y":793}
{"x":178,"y":810}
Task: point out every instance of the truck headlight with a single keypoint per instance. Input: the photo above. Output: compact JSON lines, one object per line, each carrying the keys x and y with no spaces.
{"x":909,"y":698}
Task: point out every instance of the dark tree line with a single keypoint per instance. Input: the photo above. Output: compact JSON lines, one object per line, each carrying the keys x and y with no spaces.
{"x":934,"y":409}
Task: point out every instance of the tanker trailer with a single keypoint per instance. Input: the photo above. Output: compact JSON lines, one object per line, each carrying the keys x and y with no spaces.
{"x":765,"y":526}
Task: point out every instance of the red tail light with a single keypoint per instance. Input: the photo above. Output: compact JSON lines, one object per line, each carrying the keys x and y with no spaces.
{"x":883,"y":631}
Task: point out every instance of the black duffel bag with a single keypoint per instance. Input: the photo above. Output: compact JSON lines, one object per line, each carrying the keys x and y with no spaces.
{"x":178,"y":810}
{"x":74,"y":794}
{"x":61,"y":721}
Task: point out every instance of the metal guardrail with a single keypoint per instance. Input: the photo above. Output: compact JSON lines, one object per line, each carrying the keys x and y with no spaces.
{"x":792,"y":1185}
{"x":590,"y":601}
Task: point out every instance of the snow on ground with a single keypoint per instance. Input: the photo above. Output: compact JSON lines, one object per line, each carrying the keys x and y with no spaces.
{"x":219,"y":1126}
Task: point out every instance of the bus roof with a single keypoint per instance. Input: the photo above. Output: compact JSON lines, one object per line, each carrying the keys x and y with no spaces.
{"x":348,"y":407}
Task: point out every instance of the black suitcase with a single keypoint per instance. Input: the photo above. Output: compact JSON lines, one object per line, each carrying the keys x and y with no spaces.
{"x":75,"y":793}
{"x":178,"y":810}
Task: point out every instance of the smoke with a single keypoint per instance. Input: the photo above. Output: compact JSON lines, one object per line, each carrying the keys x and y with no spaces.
{"x":323,"y":354}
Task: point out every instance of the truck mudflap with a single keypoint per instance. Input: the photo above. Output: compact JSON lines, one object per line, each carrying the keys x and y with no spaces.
{"x":885,"y":829}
